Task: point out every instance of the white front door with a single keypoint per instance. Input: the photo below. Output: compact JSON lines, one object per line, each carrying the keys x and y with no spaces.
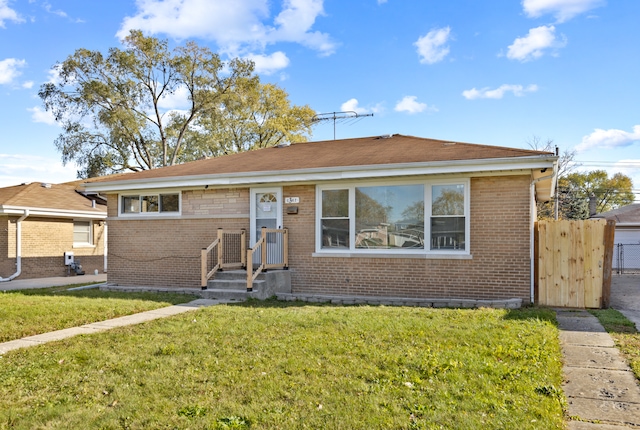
{"x":266,"y":211}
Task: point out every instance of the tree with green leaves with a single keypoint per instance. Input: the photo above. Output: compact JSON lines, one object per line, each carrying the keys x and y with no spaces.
{"x":609,"y":192}
{"x":117,"y":115}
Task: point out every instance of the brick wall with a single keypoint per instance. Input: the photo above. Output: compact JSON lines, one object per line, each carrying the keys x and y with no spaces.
{"x":500,"y":267}
{"x":44,"y":242}
{"x":166,"y":252}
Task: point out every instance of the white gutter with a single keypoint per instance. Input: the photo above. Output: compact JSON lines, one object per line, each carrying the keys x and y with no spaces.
{"x":57,"y":213}
{"x":18,"y":247}
{"x":531,"y":230}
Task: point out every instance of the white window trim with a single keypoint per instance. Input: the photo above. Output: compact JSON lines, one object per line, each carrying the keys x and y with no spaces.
{"x":385,"y":253}
{"x":141,"y":193}
{"x":91,"y":243}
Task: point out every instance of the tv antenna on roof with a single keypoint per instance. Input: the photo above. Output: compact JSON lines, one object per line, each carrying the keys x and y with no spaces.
{"x":344,"y":116}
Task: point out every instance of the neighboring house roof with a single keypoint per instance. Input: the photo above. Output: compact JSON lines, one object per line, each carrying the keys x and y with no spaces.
{"x":368,"y":157}
{"x":44,"y":199}
{"x":625,"y":216}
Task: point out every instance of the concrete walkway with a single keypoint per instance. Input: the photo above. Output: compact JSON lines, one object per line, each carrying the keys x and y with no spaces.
{"x":28,"y":284}
{"x":107,"y":325}
{"x":599,"y":385}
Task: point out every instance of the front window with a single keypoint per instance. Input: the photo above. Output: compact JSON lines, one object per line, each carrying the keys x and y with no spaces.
{"x":150,"y":203}
{"x":416,"y":217}
{"x":447,"y":217}
{"x":334,"y":222}
{"x":389,"y":217}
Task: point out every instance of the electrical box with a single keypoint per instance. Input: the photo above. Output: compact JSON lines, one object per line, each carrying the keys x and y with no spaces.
{"x":68,"y":258}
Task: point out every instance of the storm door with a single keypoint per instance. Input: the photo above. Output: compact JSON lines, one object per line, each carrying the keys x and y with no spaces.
{"x":266,"y":211}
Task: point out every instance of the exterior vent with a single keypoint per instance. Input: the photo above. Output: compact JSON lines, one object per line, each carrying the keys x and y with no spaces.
{"x":385,"y":136}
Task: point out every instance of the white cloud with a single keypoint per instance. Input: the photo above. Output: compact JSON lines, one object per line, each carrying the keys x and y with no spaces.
{"x":28,"y":84}
{"x":177,"y":100}
{"x":533,"y":45}
{"x":432,"y":46}
{"x":609,"y":139}
{"x":241,"y":28}
{"x":411,"y":105}
{"x":10,"y":69}
{"x":562,"y":10}
{"x":16,"y":169}
{"x":269,"y":64}
{"x":498,"y":93}
{"x":352,"y":105}
{"x":8,"y":14}
{"x":42,"y":116}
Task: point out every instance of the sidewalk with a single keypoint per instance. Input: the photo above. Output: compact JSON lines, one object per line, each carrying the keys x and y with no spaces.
{"x":599,"y":385}
{"x":107,"y":325}
{"x":26,"y":284}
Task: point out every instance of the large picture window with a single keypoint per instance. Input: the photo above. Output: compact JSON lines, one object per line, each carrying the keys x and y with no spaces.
{"x":148,"y":204}
{"x":414,"y":217}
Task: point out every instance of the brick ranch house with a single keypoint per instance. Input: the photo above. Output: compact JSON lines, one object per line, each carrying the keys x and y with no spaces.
{"x":392,"y":216}
{"x":40,"y":222}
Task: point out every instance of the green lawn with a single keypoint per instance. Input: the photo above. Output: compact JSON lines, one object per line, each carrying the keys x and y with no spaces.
{"x":30,"y":312}
{"x":270,"y":365}
{"x":624,"y":334}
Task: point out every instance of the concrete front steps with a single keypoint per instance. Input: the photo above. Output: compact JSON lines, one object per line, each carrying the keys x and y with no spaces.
{"x":232,"y":285}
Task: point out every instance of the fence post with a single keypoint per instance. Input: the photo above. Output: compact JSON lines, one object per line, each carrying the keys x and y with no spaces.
{"x":243,"y":248}
{"x":250,"y":270}
{"x":609,"y":238}
{"x":263,"y":253}
{"x":203,"y":268}
{"x":220,"y":247}
{"x":285,"y":248}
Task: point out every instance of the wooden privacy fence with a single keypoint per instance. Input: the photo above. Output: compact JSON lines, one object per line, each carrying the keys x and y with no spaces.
{"x":573,"y":263}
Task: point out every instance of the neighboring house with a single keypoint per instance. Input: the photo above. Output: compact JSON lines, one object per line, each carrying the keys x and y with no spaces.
{"x":627,"y":235}
{"x":40,"y":222}
{"x":395,"y":215}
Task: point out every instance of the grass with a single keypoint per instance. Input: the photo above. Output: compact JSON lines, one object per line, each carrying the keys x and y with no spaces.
{"x":29,"y":312}
{"x":624,"y":334}
{"x":269,"y":365}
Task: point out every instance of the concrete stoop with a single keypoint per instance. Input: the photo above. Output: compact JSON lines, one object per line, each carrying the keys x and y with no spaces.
{"x":401,"y":301}
{"x":232,"y":284}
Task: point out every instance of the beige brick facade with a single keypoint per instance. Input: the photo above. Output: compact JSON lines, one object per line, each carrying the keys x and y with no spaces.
{"x":44,"y":242}
{"x":166,"y":252}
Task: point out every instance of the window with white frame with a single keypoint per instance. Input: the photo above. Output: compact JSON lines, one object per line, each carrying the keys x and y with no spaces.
{"x":150,"y":204}
{"x":411,"y":217}
{"x":82,"y":233}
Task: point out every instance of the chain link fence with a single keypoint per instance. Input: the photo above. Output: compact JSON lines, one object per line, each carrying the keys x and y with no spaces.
{"x":626,"y":258}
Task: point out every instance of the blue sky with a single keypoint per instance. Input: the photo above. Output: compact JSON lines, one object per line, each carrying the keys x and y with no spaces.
{"x":500,"y":72}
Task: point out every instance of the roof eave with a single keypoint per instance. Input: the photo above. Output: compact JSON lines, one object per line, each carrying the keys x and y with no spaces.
{"x":329,"y":173}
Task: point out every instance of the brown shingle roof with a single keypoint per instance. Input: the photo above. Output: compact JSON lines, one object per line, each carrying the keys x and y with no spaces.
{"x":52,"y":196}
{"x":366,"y":151}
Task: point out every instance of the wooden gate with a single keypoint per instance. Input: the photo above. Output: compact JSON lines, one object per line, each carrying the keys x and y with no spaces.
{"x":573,"y":263}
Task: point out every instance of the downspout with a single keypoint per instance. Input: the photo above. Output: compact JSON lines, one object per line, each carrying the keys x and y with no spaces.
{"x":532,"y":216}
{"x":18,"y":247}
{"x":105,"y":247}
